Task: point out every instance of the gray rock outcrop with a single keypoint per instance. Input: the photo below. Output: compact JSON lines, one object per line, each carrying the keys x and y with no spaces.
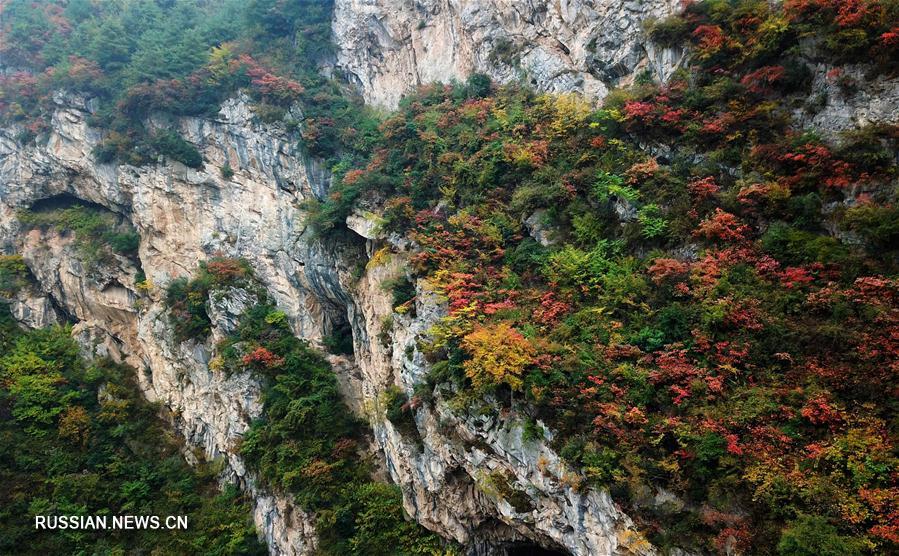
{"x":388,"y":47}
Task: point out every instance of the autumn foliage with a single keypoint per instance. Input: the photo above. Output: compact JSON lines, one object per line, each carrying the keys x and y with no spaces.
{"x":716,"y":317}
{"x":695,"y":293}
{"x":498,"y":355}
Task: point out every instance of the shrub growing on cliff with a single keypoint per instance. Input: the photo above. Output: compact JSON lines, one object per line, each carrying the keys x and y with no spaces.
{"x":814,"y":536}
{"x":400,"y":410}
{"x":14,"y":275}
{"x":403,"y":292}
{"x":878,"y":225}
{"x":187,"y":299}
{"x":498,"y":355}
{"x":98,"y":234}
{"x":372,"y":522}
{"x":187,"y":310}
{"x":226,"y":171}
{"x":671,"y":31}
{"x":169,"y":143}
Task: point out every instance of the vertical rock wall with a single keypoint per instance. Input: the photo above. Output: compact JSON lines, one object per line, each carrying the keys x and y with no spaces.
{"x":388,"y":47}
{"x":183,"y":216}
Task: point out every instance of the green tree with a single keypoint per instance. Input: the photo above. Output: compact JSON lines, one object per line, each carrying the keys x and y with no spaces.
{"x":110,"y":46}
{"x":814,"y":536}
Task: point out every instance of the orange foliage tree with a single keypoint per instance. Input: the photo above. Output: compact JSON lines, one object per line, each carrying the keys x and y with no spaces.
{"x":499,"y":354}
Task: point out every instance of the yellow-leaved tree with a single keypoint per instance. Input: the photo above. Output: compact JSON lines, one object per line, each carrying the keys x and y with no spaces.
{"x":499,"y":354}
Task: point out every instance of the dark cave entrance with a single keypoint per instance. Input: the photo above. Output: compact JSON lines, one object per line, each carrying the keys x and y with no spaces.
{"x":115,"y":229}
{"x":63,"y":201}
{"x":525,"y":549}
{"x":339,"y":339}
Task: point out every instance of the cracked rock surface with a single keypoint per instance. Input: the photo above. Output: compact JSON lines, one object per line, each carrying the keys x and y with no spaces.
{"x":386,"y":48}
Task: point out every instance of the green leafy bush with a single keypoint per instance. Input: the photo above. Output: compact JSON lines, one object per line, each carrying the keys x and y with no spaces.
{"x":797,"y":246}
{"x":187,"y":299}
{"x":652,"y":223}
{"x":14,"y":275}
{"x":80,"y":440}
{"x":878,"y":225}
{"x":402,"y":290}
{"x":172,"y":145}
{"x":372,"y":522}
{"x":98,"y":234}
{"x":400,"y":411}
{"x":670,"y":31}
{"x":814,"y":536}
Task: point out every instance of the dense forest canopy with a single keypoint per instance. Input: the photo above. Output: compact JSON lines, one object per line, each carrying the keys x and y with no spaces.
{"x":713,"y":307}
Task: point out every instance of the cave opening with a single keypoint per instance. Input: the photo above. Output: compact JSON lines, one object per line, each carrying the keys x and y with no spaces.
{"x":526,"y":549}
{"x":63,"y":201}
{"x":95,"y":227}
{"x":339,"y":339}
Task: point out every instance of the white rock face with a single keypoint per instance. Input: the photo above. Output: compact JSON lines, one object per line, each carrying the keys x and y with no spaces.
{"x":32,"y":309}
{"x":388,"y":47}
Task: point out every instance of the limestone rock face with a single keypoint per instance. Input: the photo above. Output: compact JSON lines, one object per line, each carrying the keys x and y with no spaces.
{"x":847,"y":99}
{"x":32,"y":309}
{"x":183,"y":216}
{"x":388,"y":47}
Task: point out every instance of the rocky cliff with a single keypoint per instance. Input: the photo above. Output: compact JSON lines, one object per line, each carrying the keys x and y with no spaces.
{"x":182,"y":216}
{"x":473,"y":477}
{"x":387,"y":48}
{"x":456,"y":472}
